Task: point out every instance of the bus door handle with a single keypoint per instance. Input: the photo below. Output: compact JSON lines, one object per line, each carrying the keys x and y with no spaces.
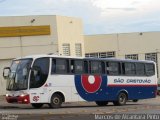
{"x":33,"y":93}
{"x":41,"y":93}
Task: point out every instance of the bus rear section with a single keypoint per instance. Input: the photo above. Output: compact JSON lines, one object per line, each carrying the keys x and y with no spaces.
{"x":122,"y":81}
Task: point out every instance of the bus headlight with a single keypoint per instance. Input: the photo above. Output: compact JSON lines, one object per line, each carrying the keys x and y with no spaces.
{"x":22,"y":95}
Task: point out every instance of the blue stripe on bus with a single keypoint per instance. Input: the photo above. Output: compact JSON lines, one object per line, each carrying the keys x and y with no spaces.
{"x":107,"y":93}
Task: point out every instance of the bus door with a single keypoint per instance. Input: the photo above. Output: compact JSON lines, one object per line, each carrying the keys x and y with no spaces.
{"x":38,"y":78}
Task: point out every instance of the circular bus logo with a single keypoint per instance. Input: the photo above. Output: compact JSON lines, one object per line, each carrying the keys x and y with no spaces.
{"x":91,"y":83}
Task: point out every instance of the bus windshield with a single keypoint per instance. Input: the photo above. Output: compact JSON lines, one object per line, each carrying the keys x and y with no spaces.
{"x":18,"y":76}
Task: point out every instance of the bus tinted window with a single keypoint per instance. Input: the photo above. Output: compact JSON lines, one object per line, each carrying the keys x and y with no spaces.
{"x":86,"y":67}
{"x":103,"y":67}
{"x":39,"y":73}
{"x":78,"y":66}
{"x":140,"y":69}
{"x":60,"y":66}
{"x":150,"y":70}
{"x":130,"y":68}
{"x":113,"y":68}
{"x":95,"y":67}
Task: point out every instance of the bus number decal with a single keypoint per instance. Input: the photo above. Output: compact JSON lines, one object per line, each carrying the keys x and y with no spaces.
{"x":36,"y":98}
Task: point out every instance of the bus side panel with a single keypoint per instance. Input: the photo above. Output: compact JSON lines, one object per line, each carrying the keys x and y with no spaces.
{"x":65,"y":85}
{"x":142,"y":92}
{"x":111,"y":86}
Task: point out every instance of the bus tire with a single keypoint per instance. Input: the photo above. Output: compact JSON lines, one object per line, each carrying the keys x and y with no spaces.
{"x":37,"y":105}
{"x":135,"y":100}
{"x":122,"y":99}
{"x":101,"y":103}
{"x":56,"y":101}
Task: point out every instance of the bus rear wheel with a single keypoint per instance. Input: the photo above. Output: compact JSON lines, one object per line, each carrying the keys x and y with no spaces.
{"x":37,"y":105}
{"x":56,"y":101}
{"x":101,"y":103}
{"x":122,"y":99}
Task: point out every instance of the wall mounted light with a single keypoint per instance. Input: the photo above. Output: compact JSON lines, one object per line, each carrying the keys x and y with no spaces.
{"x":32,"y":21}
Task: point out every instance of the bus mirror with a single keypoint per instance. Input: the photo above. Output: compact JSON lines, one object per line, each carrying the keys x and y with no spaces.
{"x":6,"y":72}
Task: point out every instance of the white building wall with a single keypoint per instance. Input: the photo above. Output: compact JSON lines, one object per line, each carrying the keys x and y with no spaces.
{"x":125,"y":44}
{"x":62,"y":29}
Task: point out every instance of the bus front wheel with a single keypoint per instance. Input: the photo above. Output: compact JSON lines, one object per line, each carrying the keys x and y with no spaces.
{"x":101,"y":103}
{"x":37,"y":105}
{"x":56,"y":101}
{"x":122,"y":99}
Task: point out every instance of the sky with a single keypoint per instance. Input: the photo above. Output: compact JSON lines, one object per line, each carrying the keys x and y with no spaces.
{"x":99,"y":16}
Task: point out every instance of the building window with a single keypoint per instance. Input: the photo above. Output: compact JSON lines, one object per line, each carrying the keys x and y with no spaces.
{"x":78,"y":49}
{"x":151,"y":57}
{"x":66,"y":49}
{"x":132,"y":56}
{"x":87,"y":55}
{"x":92,"y":55}
{"x":101,"y":54}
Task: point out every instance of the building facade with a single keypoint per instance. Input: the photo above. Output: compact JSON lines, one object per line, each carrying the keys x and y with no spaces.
{"x":28,"y":35}
{"x":137,"y":46}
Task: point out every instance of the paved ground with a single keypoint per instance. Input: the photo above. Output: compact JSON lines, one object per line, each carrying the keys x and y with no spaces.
{"x":78,"y":110}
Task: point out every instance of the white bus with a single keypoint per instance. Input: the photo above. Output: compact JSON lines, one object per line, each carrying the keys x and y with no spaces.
{"x":52,"y":80}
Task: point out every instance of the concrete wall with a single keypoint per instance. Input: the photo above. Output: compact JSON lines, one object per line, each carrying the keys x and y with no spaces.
{"x":70,"y":30}
{"x":125,"y":43}
{"x":12,"y":47}
{"x":62,"y":29}
{"x":100,"y":43}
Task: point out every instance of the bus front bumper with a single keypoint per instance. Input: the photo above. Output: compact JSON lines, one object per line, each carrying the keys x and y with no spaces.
{"x":22,"y":99}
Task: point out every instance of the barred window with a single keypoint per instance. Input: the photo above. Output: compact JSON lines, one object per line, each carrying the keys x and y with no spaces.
{"x":151,"y":57}
{"x":132,"y":56}
{"x":92,"y":55}
{"x":101,"y":54}
{"x":78,"y":49}
{"x":66,"y":49}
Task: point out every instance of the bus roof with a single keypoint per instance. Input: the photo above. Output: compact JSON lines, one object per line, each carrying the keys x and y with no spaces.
{"x":88,"y":58}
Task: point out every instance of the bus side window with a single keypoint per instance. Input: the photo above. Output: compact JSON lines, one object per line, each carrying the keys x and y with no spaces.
{"x":86,"y":67}
{"x":53,"y":70}
{"x":150,"y":69}
{"x":62,"y":66}
{"x":96,"y":67}
{"x":41,"y":66}
{"x":72,"y":68}
{"x":78,"y":66}
{"x":103,"y":67}
{"x":140,"y":69}
{"x":113,"y":68}
{"x":130,"y":68}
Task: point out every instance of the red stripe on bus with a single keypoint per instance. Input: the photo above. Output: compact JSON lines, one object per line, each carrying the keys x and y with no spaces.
{"x":132,"y":85}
